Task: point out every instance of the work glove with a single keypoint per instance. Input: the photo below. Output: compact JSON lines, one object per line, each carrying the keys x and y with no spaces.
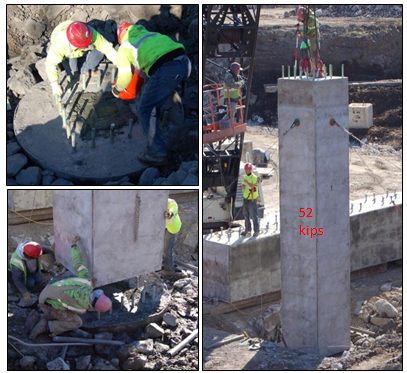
{"x":168,"y":214}
{"x":27,"y":297}
{"x":56,"y":88}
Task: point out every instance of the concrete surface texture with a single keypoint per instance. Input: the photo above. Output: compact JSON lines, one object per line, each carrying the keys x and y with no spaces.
{"x":20,"y":200}
{"x":42,"y":136}
{"x":122,"y":232}
{"x":314,"y":195}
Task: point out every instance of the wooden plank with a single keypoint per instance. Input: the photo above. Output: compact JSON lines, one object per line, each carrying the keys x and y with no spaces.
{"x":222,"y":308}
{"x":37,"y":215}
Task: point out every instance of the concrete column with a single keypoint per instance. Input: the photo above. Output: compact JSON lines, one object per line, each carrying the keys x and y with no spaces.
{"x":314,"y":174}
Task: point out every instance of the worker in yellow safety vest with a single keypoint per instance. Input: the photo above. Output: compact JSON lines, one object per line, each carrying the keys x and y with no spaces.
{"x":164,"y":62}
{"x":250,"y":196}
{"x":172,"y":227}
{"x":76,"y":45}
{"x":26,"y":267}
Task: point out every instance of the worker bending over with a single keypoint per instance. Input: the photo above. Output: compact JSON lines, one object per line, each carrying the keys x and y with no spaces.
{"x":26,"y":267}
{"x":166,"y":65}
{"x":76,"y":45}
{"x":64,"y":301}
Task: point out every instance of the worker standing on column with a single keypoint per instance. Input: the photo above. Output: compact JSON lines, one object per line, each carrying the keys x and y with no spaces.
{"x":250,"y":196}
{"x":26,"y":267}
{"x":166,"y":65}
{"x":172,"y":227}
{"x":234,"y":82}
{"x":63,"y":301}
{"x":77,"y":46}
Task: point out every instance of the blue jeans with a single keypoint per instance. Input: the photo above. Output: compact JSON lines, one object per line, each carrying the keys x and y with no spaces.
{"x":225,"y":121}
{"x":89,"y":61}
{"x":159,"y":87}
{"x":33,"y":278}
{"x":168,"y":255}
{"x":250,"y":211}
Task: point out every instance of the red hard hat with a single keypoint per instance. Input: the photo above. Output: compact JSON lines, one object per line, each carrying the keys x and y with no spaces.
{"x":103,"y":304}
{"x":79,"y":34}
{"x":32,"y":249}
{"x":122,"y":29}
{"x":248,"y":166}
{"x":301,"y":13}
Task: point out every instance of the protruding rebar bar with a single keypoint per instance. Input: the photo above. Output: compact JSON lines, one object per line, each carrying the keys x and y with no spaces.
{"x":64,"y":117}
{"x":99,"y":78}
{"x":300,"y":72}
{"x":121,"y":303}
{"x":325,"y":72}
{"x":395,"y":193}
{"x":143,"y":294}
{"x":68,"y":131}
{"x":289,"y":71}
{"x":221,"y":231}
{"x":131,"y":121}
{"x":295,"y":71}
{"x":387,"y":194}
{"x":330,"y":71}
{"x":132,"y":300}
{"x":137,"y":282}
{"x":343,"y":70}
{"x":365,"y":198}
{"x":73,"y":139}
{"x":282,"y":71}
{"x":113,"y":74}
{"x":306,"y":73}
{"x":59,"y":104}
{"x":351,"y":207}
{"x":360,"y":208}
{"x":84,"y":81}
{"x":313,"y":75}
{"x":112,"y":133}
{"x":93,"y":137}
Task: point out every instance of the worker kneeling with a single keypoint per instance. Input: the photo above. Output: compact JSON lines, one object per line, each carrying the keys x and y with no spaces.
{"x":64,"y":301}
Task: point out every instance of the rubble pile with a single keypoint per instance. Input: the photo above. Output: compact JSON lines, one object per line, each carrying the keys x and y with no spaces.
{"x":29,"y":28}
{"x":367,"y":11}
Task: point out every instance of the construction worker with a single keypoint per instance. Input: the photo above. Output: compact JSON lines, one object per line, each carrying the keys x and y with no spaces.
{"x":250,"y":196}
{"x":26,"y":267}
{"x":63,"y":301}
{"x":234,"y":82}
{"x":77,"y":46}
{"x":166,"y":65}
{"x":311,"y":36}
{"x":172,"y":227}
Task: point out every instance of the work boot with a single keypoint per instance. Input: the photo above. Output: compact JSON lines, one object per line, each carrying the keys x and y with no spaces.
{"x":173,"y":275}
{"x":40,"y":328}
{"x":256,"y":234}
{"x":244,"y":233}
{"x":152,"y":160}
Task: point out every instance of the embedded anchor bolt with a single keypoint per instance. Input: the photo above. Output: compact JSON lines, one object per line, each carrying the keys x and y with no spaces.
{"x":351,"y":207}
{"x":382,"y":200}
{"x":365,"y":198}
{"x":267,"y":226}
{"x":221,"y":231}
{"x":212,"y":232}
{"x":387,"y":194}
{"x":360,"y":209}
{"x":395,"y":193}
{"x":332,"y":122}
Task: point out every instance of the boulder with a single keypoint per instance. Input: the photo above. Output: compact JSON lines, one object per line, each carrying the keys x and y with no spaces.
{"x":259,"y":156}
{"x":80,"y":15}
{"x":191,"y":180}
{"x":149,"y":176}
{"x":15,"y":163}
{"x":32,"y":319}
{"x":135,"y":363}
{"x":34,"y":299}
{"x":21,"y":82}
{"x":190,"y":167}
{"x":154,"y":331}
{"x":181,"y":175}
{"x":83,"y":362}
{"x":161,"y":348}
{"x":27,"y":362}
{"x":42,"y":69}
{"x":145,"y":347}
{"x":380,"y":321}
{"x":11,"y":181}
{"x":159,"y":181}
{"x":57,"y":364}
{"x":48,"y":180}
{"x":12,"y":148}
{"x":53,"y":11}
{"x":30,"y":176}
{"x":33,"y":28}
{"x":170,"y":319}
{"x":383,"y":306}
{"x":62,"y":182}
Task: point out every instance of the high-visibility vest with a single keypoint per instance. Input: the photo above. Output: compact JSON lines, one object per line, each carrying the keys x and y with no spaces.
{"x":234,"y":93}
{"x":252,"y":179}
{"x":173,"y":225}
{"x":142,"y":49}
{"x":21,"y":265}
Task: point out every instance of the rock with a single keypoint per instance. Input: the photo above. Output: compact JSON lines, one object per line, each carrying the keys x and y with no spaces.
{"x":33,"y":28}
{"x":358,"y":307}
{"x":79,"y":333}
{"x":42,"y":69}
{"x":171,"y":180}
{"x":126,"y":351}
{"x":27,"y":362}
{"x":103,"y":350}
{"x":10,"y":290}
{"x":54,"y":10}
{"x":15,"y":163}
{"x":21,"y":82}
{"x":32,"y":319}
{"x":190,"y":167}
{"x":191,"y":240}
{"x":13,"y":298}
{"x":62,"y":182}
{"x":384,"y":306}
{"x":385,"y":287}
{"x":181,"y":175}
{"x":80,"y":15}
{"x":170,"y":319}
{"x":154,"y":331}
{"x":115,"y":362}
{"x":104,"y":14}
{"x":181,"y":283}
{"x":161,"y":348}
{"x":399,"y":329}
{"x":135,"y":363}
{"x":12,"y":148}
{"x":30,"y":176}
{"x":103,"y":365}
{"x":83,"y":362}
{"x":149,"y":176}
{"x":145,"y":347}
{"x":34,"y":299}
{"x":150,"y":365}
{"x":270,"y":321}
{"x":337,"y":366}
{"x":259,"y":156}
{"x":379,"y":321}
{"x":11,"y":181}
{"x":57,"y":364}
{"x":48,"y":180}
{"x":159,"y":180}
{"x":190,"y":180}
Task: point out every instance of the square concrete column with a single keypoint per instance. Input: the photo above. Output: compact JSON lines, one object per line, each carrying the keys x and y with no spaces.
{"x":122,"y":232}
{"x":314,"y":177}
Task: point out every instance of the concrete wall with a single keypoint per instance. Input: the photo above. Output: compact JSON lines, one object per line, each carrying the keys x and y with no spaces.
{"x":122,"y":234}
{"x":21,"y":200}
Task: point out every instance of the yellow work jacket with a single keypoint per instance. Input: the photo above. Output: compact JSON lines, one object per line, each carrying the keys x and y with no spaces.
{"x":173,"y":225}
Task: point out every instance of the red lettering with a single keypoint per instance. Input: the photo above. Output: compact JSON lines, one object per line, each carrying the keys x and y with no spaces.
{"x":310,"y":212}
{"x":301,"y":231}
{"x":314,"y":233}
{"x":321,"y":231}
{"x":302,"y":210}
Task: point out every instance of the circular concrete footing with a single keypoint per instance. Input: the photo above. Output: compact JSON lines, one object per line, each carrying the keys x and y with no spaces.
{"x":39,"y":130}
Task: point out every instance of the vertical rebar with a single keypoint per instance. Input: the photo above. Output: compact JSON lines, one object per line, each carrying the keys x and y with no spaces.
{"x":289,"y":71}
{"x":351,"y":207}
{"x":137,"y":282}
{"x":313,"y":75}
{"x":68,"y":131}
{"x":121,"y":303}
{"x":387,"y":194}
{"x":325,"y":72}
{"x":113,"y":74}
{"x":93,"y":134}
{"x":99,"y":77}
{"x":73,"y":139}
{"x":56,"y":99}
{"x":395,"y":193}
{"x":112,"y":133}
{"x":300,"y":72}
{"x":282,"y":71}
{"x":143,"y":294}
{"x":132,"y":299}
{"x":360,"y":209}
{"x":84,"y":81}
{"x":330,"y":71}
{"x":131,"y":121}
{"x":59,"y":104}
{"x":365,"y":198}
{"x":295,"y":71}
{"x":221,"y":231}
{"x":343,"y":70}
{"x":64,"y":117}
{"x":306,"y":72}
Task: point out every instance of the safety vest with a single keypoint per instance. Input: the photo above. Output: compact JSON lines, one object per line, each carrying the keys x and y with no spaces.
{"x":20,"y":264}
{"x":142,"y":49}
{"x":80,"y":296}
{"x":247,"y":194}
{"x":61,"y":49}
{"x":234,"y":93}
{"x":173,"y":225}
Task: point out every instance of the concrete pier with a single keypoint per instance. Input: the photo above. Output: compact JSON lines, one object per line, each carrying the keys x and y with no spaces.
{"x":314,"y":203}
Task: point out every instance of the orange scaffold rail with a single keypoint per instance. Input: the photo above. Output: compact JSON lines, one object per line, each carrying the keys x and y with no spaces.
{"x":215,"y":131}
